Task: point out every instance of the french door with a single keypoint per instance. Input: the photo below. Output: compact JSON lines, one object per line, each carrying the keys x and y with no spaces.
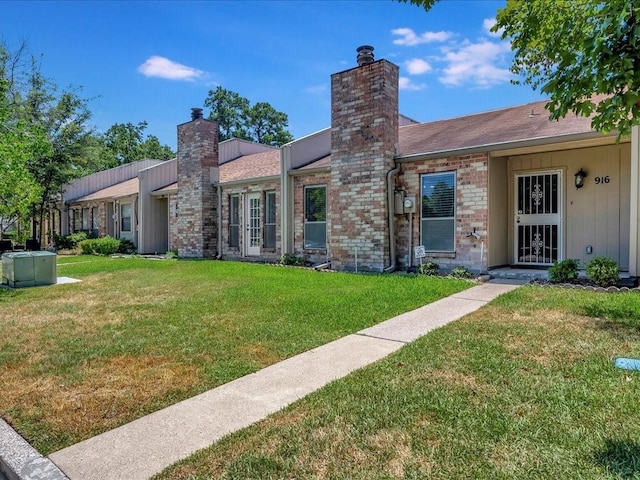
{"x":538,"y":218}
{"x":253,"y":226}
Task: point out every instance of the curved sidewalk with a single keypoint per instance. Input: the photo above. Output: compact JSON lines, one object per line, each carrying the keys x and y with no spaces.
{"x":146,"y":446}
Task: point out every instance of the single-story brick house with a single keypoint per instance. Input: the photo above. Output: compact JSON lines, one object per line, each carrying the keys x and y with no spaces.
{"x":500,"y":188}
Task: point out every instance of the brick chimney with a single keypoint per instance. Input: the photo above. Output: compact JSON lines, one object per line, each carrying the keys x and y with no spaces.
{"x":364,"y":135}
{"x":196,"y":210}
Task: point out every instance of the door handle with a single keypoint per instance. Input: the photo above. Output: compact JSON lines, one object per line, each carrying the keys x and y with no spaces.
{"x":517,"y":218}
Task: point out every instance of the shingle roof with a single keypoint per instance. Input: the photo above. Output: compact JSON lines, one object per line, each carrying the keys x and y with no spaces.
{"x":257,"y":165}
{"x":520,"y":123}
{"x":122,"y":189}
{"x":324,"y":162}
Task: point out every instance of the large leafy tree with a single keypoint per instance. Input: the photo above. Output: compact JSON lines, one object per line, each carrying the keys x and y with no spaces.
{"x":126,"y":143}
{"x":18,"y":144}
{"x":237,"y":118}
{"x":573,"y":51}
{"x":52,"y":122}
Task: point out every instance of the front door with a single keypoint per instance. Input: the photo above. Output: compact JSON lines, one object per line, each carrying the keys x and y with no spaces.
{"x":253,"y":227}
{"x":538,"y":218}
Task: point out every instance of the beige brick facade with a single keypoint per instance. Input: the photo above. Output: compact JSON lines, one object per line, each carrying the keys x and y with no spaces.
{"x":471,"y":210}
{"x":197,"y":203}
{"x":299,"y":183}
{"x":364,"y":137}
{"x":267,"y":254}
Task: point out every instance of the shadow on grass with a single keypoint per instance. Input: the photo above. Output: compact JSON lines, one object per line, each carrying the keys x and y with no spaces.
{"x":620,"y":457}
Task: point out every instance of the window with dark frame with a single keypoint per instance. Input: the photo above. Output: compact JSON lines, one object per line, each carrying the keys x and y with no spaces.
{"x":95,"y":221}
{"x":438,"y":212}
{"x":125,"y":217}
{"x":234,"y":221}
{"x":77,"y":220}
{"x":270,"y":220}
{"x":315,"y":217}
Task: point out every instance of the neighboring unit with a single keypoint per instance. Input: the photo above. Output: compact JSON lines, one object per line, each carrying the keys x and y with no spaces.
{"x":499,"y":188}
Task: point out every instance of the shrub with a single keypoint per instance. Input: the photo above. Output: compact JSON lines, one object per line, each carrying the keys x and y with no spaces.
{"x":100,"y":246}
{"x":291,"y":259}
{"x":429,"y":268}
{"x":564,"y":271}
{"x":460,"y":272}
{"x":603,"y":271}
{"x":126,"y":247}
{"x":69,"y":242}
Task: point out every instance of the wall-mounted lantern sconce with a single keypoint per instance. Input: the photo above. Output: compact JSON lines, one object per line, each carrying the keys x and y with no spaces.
{"x":579,"y":178}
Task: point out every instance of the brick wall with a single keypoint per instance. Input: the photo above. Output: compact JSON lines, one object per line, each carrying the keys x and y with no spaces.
{"x":173,"y":222}
{"x":237,"y":253}
{"x":471,"y":210}
{"x":196,"y":203}
{"x":299,"y":182}
{"x":364,"y":135}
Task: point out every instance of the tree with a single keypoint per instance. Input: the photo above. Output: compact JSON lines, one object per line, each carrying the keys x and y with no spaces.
{"x":58,"y":118}
{"x":228,"y":109}
{"x":126,"y":143}
{"x":266,"y":125}
{"x":573,"y":50}
{"x":236,"y":118}
{"x":18,"y":188}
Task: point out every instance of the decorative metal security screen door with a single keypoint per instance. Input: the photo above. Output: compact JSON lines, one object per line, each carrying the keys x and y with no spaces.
{"x":253,"y":230}
{"x":538,"y":218}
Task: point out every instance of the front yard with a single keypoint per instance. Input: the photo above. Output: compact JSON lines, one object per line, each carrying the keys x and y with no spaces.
{"x":137,"y":335}
{"x":524,"y":388}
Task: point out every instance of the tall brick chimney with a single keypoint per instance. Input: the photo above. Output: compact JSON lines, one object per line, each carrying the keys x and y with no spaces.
{"x":197,"y":156}
{"x":364,"y":135}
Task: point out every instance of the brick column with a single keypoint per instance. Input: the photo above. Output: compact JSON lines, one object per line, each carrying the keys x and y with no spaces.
{"x":364,"y":135}
{"x":196,"y":204}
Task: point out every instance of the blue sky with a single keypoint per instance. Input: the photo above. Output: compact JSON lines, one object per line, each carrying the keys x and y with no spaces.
{"x":154,"y":60}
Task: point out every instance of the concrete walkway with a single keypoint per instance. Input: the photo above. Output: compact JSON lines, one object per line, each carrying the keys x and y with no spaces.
{"x":145,"y":446}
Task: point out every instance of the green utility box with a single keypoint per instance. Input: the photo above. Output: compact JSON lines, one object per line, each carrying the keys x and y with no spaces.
{"x":29,"y":269}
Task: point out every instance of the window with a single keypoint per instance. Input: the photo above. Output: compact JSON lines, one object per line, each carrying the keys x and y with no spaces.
{"x":95,"y":221}
{"x":234,"y":221}
{"x":315,"y":217}
{"x":77,"y":220}
{"x":270,"y":220}
{"x":125,"y":217}
{"x":85,"y":219}
{"x":438,"y":212}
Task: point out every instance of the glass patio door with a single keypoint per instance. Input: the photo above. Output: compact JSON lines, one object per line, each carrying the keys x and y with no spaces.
{"x":253,"y":227}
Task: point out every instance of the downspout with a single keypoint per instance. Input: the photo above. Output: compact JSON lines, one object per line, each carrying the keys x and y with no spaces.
{"x":392,"y":233}
{"x":219,"y":229}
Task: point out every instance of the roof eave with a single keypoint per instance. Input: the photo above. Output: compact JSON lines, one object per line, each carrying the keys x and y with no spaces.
{"x":245,"y":181}
{"x":492,"y":147}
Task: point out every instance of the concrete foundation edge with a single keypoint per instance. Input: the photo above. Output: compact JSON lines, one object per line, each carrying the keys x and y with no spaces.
{"x":20,"y":461}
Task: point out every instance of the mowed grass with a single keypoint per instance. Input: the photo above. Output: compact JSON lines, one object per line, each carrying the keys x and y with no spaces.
{"x":524,"y":388}
{"x":137,"y":335}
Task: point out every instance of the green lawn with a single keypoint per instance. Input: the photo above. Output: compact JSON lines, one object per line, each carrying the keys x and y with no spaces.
{"x":524,"y":388}
{"x":137,"y":335}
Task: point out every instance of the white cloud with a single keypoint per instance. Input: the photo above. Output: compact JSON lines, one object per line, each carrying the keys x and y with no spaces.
{"x":156,"y":66}
{"x":476,"y":63}
{"x":417,"y":66}
{"x":488,"y":24}
{"x":410,"y":38}
{"x":405,"y":83}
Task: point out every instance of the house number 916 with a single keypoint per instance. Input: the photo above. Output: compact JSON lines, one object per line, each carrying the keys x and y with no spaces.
{"x":600,"y":180}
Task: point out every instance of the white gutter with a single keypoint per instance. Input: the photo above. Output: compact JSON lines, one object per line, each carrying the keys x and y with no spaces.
{"x":491,"y":147}
{"x":219,"y":226}
{"x":634,"y":199}
{"x":247,"y":181}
